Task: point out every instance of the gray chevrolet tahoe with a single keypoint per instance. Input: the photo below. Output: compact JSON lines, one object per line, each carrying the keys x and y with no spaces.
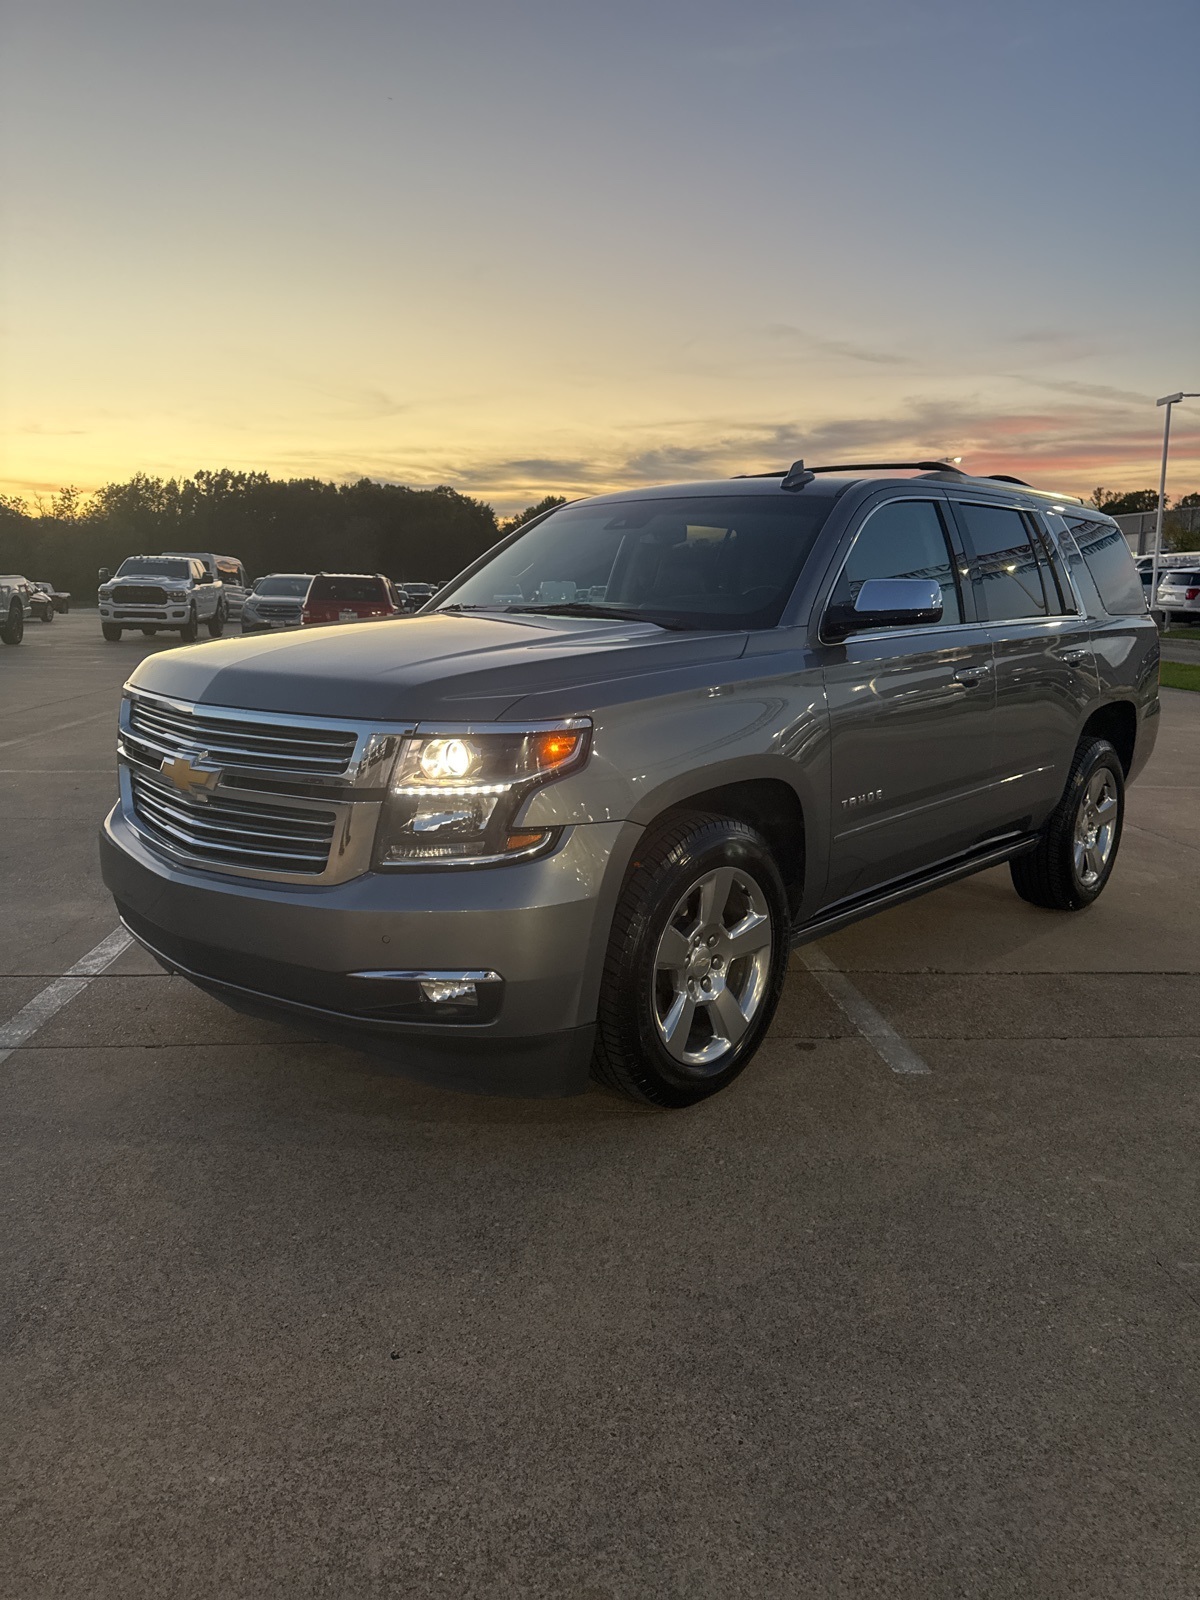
{"x":573,"y":815}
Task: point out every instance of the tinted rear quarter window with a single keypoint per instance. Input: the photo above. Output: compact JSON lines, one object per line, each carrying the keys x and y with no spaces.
{"x":1103,"y":548}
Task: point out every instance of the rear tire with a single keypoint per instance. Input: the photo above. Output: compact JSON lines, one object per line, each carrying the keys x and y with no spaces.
{"x":111,"y":632}
{"x":13,"y":630}
{"x":150,"y":632}
{"x":187,"y":634}
{"x":1077,"y":848}
{"x":695,"y":964}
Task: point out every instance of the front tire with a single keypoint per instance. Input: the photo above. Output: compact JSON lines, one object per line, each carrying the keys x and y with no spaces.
{"x":695,"y":964}
{"x":111,"y":632}
{"x":1074,"y":857}
{"x":187,"y":634}
{"x":13,"y":630}
{"x":216,"y":624}
{"x":48,"y":614}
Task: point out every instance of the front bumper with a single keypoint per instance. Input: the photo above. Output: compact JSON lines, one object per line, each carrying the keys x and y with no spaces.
{"x":541,"y":925}
{"x":254,"y":624}
{"x":170,"y":616}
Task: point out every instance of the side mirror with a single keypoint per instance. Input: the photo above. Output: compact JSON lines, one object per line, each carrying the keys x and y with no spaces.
{"x":205,"y":577}
{"x":104,"y":575}
{"x":886,"y":603}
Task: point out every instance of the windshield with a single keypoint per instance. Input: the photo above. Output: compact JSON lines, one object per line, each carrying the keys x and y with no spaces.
{"x":283,"y":586}
{"x":346,"y":589}
{"x":153,"y":567}
{"x":728,"y":562}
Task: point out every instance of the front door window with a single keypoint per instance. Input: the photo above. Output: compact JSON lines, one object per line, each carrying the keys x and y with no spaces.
{"x":903,"y":539}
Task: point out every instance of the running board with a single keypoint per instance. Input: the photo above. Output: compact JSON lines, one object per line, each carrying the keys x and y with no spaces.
{"x":910,"y":889}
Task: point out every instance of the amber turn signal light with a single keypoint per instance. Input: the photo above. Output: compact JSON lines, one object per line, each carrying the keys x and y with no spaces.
{"x":555,"y":748}
{"x":524,"y":841}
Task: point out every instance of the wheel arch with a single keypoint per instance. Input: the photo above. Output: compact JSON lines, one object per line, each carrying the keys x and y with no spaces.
{"x":1117,"y":721}
{"x":769,"y":806}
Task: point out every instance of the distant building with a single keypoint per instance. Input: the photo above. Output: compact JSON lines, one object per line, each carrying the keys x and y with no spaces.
{"x":1138,"y":528}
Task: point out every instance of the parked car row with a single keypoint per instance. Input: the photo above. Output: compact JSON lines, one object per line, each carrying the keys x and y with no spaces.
{"x":179,"y":591}
{"x":22,"y":601}
{"x":1178,"y":583}
{"x":304,"y":599}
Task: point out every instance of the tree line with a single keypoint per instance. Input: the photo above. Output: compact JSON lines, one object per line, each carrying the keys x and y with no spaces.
{"x":1139,"y":500}
{"x":293,"y":525}
{"x":272,"y":525}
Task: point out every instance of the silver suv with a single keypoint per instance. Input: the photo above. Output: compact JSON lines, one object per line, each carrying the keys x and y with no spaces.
{"x":573,"y":814}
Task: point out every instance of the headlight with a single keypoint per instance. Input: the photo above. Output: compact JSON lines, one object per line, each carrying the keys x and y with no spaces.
{"x":453,"y":796}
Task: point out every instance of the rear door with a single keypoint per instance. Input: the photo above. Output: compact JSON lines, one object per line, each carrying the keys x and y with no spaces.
{"x":911,"y":709}
{"x":1045,"y":664}
{"x":233,"y":580}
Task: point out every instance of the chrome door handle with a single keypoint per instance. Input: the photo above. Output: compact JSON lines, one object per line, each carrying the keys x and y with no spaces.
{"x":1075,"y":654}
{"x":970,"y":676}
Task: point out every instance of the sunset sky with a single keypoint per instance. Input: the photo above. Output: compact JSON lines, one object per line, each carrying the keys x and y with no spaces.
{"x":555,"y":247}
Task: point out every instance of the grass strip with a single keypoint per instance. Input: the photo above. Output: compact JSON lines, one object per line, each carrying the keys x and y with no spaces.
{"x":1179,"y":674}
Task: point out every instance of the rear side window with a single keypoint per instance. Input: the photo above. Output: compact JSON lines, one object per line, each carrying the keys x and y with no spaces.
{"x":346,"y":589}
{"x":1005,"y":573}
{"x":902,"y":539}
{"x":1103,"y":548}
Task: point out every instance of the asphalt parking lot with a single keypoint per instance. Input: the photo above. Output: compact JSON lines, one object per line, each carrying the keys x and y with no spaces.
{"x":282,"y":1321}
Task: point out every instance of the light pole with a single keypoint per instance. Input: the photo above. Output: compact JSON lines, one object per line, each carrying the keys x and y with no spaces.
{"x":1167,"y":400}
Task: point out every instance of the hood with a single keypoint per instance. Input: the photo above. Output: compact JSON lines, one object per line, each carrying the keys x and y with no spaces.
{"x":441,"y":665}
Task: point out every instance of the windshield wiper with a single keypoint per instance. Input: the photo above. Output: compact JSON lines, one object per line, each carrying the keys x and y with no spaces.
{"x":586,"y":608}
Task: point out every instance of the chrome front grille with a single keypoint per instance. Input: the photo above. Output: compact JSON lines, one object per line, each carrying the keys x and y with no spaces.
{"x":138,"y":594}
{"x":222,"y":830}
{"x":283,"y":609}
{"x":160,"y":730}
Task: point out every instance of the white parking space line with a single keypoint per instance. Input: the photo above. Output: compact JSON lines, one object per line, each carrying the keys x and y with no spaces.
{"x":46,"y":1004}
{"x":876,"y":1030}
{"x":48,"y":733}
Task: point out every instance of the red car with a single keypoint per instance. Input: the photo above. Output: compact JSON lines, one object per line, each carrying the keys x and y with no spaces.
{"x":350,"y":597}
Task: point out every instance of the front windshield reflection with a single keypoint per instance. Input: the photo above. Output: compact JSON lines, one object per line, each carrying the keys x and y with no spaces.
{"x":727,"y":562}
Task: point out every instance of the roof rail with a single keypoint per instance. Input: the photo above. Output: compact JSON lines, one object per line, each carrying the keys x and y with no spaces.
{"x":797,"y":475}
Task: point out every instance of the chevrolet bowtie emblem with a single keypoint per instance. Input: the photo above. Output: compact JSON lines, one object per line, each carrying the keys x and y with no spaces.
{"x":189,"y":779}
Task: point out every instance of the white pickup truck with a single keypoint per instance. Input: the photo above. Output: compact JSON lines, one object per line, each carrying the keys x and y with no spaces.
{"x":161,"y":594}
{"x":229,"y":572}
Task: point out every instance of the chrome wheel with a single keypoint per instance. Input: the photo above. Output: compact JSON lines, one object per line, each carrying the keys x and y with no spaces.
{"x":712,"y":967}
{"x":1095,"y":827}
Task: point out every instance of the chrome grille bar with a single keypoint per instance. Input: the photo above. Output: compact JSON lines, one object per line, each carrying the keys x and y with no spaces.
{"x":234,"y":741}
{"x":235,"y":832}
